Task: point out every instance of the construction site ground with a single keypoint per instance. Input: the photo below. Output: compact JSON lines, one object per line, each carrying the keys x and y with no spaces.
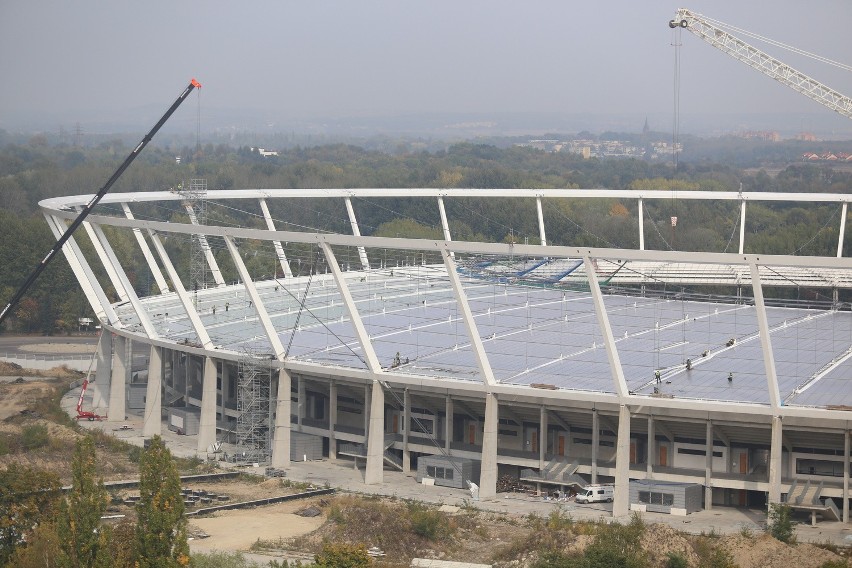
{"x":239,"y":530}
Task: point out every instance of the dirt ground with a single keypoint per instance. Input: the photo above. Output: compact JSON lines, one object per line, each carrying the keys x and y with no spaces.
{"x":238,"y":530}
{"x":17,"y":396}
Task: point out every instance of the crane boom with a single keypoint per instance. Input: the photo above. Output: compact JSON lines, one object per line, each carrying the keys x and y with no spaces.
{"x":763,"y":62}
{"x":193,"y":84}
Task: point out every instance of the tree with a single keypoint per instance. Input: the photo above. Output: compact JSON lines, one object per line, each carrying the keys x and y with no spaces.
{"x":42,"y":549}
{"x":780,"y":524}
{"x":80,"y":514}
{"x":27,"y":497}
{"x":161,"y":527}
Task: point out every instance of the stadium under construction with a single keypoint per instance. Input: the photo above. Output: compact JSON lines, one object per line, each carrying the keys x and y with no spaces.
{"x":555,"y":365}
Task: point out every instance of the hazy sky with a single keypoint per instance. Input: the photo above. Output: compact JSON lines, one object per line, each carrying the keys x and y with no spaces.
{"x":366,"y":58}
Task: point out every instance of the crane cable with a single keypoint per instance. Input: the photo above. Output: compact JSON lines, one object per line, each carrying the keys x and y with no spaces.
{"x":676,"y":43}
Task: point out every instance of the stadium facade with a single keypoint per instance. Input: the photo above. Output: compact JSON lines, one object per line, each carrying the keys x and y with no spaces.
{"x":556,"y":365}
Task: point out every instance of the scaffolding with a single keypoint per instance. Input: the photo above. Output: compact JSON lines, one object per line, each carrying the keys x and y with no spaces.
{"x":196,"y":205}
{"x":254,"y":412}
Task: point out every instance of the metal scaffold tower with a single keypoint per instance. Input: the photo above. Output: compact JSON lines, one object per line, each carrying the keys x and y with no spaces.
{"x":254,"y":442}
{"x":196,"y":206}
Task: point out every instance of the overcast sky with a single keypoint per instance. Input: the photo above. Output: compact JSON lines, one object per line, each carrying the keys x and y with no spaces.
{"x":377,"y":58}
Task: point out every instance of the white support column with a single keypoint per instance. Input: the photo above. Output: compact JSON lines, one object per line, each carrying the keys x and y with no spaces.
{"x":279,"y":249}
{"x":488,"y":472}
{"x":651,"y":449}
{"x":97,"y":239}
{"x":542,"y":437}
{"x":621,"y":497}
{"x":152,"y":421}
{"x":372,"y":360}
{"x":541,"y":234}
{"x":708,"y":466}
{"x":146,"y":252}
{"x":445,"y":225}
{"x":205,"y":246}
{"x":83,"y":272}
{"x":281,"y":435}
{"x":207,"y":421}
{"x":765,"y":341}
{"x":406,"y":421}
{"x":842,"y":235}
{"x":641,"y":225}
{"x":103,"y":371}
{"x":472,"y":331}
{"x":118,"y":379}
{"x":616,"y":370}
{"x":448,"y":426}
{"x":367,"y":405}
{"x":110,"y":259}
{"x":596,"y":442}
{"x":332,"y":420}
{"x":847,"y":441}
{"x":374,"y":473}
{"x":362,"y":254}
{"x":183,"y":296}
{"x":302,"y":406}
{"x":260,"y":309}
{"x":742,"y":225}
{"x":775,"y":461}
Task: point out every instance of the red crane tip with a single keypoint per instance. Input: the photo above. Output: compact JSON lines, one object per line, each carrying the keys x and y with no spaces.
{"x":195,"y":84}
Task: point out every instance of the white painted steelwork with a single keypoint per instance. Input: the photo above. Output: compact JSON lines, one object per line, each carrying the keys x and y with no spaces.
{"x":529,"y":334}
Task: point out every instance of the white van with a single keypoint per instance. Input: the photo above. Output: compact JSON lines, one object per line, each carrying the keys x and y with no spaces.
{"x":595,"y":494}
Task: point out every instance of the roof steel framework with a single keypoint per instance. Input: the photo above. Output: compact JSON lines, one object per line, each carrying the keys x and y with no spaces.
{"x":503,"y":316}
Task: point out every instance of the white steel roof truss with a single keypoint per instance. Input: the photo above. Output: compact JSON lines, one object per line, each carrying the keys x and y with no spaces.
{"x":191,"y":312}
{"x":146,"y":252}
{"x":260,"y":309}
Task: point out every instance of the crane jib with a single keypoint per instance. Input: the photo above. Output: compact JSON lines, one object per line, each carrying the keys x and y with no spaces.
{"x":95,"y":199}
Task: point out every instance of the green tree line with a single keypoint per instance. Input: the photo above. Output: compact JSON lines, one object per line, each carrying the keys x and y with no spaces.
{"x":32,"y":171}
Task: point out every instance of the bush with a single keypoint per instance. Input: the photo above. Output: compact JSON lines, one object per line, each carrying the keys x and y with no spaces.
{"x":780,"y":523}
{"x":428,"y":523}
{"x":676,"y":560}
{"x":343,"y":556}
{"x":34,"y":436}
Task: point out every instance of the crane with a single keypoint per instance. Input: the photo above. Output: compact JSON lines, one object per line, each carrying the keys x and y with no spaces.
{"x":193,"y":84}
{"x":708,"y":30}
{"x":89,"y":415}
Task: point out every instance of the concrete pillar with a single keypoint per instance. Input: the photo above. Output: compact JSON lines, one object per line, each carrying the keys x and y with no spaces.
{"x":708,"y":466}
{"x":207,"y":422}
{"x":103,"y":372}
{"x":118,"y":380}
{"x":332,"y":420}
{"x":542,"y":437}
{"x":374,"y":473}
{"x":406,"y":423}
{"x":621,"y":498}
{"x":596,"y":442}
{"x":302,"y":407}
{"x":448,"y":426}
{"x":281,"y":434}
{"x":488,"y":474}
{"x":775,"y":461}
{"x":367,"y":407}
{"x":846,"y":443}
{"x":152,"y":421}
{"x":652,"y":448}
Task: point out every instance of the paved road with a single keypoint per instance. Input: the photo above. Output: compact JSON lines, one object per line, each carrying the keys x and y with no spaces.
{"x":17,"y":344}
